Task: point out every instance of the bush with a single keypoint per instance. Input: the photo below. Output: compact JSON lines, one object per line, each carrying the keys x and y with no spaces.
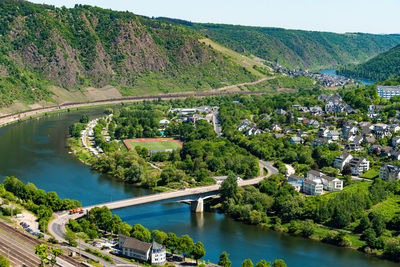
{"x":307,"y":228}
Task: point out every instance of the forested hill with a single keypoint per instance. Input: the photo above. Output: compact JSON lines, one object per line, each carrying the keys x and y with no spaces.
{"x":85,"y":46}
{"x":295,"y":48}
{"x":382,"y":67}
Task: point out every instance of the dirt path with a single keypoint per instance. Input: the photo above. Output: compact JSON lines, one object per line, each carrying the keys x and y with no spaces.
{"x":236,"y":86}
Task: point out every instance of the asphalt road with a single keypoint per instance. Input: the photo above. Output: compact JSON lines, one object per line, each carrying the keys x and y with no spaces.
{"x":57,"y":226}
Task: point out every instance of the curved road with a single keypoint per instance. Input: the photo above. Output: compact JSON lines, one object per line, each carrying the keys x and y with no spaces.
{"x":57,"y":226}
{"x":6,"y":119}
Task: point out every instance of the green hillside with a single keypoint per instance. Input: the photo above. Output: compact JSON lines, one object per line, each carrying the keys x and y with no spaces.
{"x":296,"y":48}
{"x":85,"y":46}
{"x":382,"y":67}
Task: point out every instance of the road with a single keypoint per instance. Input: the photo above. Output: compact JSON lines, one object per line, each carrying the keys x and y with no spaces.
{"x":57,"y":226}
{"x":9,"y":118}
{"x":216,"y":123}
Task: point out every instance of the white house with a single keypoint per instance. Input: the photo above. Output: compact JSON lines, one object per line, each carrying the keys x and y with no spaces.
{"x":389,"y":172}
{"x":313,"y":187}
{"x":164,"y":121}
{"x":296,"y":140}
{"x":332,"y":183}
{"x":359,"y":165}
{"x":341,"y":160}
{"x":158,"y":254}
{"x":333,"y":135}
{"x":328,"y":183}
{"x":152,"y":253}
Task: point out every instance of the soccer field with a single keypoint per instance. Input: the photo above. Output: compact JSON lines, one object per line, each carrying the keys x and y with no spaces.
{"x":153,"y":143}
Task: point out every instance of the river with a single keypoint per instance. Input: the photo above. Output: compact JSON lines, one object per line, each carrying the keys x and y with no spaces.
{"x":333,"y":73}
{"x":35,"y":151}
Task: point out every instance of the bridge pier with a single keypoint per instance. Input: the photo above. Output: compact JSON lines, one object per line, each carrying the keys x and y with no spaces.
{"x":197,"y":206}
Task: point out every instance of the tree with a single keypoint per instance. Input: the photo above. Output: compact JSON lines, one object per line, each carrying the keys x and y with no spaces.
{"x":392,"y":249}
{"x":377,"y":222}
{"x":289,"y":207}
{"x":172,"y":242}
{"x":229,"y":187}
{"x":198,"y":251}
{"x":159,"y":236}
{"x":279,"y":263}
{"x":247,"y":263}
{"x":43,"y":250}
{"x":346,"y":169}
{"x":4,"y":262}
{"x":224,"y":260}
{"x":263,"y":263}
{"x":70,"y":237}
{"x":108,"y":111}
{"x":369,"y":236}
{"x":84,"y":118}
{"x":307,"y":228}
{"x":364,"y":224}
{"x":341,"y":217}
{"x":140,"y":232}
{"x":185,"y":245}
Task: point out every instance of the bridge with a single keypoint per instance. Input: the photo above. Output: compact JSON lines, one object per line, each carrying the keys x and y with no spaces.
{"x":194,"y":196}
{"x":191,"y":194}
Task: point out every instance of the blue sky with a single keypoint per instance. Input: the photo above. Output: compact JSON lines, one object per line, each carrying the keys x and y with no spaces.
{"x":373,"y":16}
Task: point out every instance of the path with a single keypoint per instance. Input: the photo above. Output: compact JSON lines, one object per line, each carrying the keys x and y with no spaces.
{"x":236,"y":86}
{"x":34,"y":112}
{"x":57,"y":226}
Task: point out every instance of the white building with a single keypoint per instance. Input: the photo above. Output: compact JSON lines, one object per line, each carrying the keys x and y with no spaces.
{"x":341,"y":160}
{"x":313,"y":187}
{"x":152,"y":253}
{"x":388,"y":91}
{"x":328,"y":183}
{"x":332,"y":183}
{"x":359,"y":165}
{"x":389,"y":172}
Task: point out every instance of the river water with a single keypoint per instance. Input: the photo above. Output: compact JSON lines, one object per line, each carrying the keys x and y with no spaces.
{"x":35,"y":151}
{"x":333,"y":73}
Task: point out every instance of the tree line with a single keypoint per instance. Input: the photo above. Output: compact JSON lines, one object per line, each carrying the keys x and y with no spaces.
{"x":40,"y":202}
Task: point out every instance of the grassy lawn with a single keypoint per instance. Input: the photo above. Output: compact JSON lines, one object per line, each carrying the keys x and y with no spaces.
{"x":154,"y":144}
{"x":370,"y":174}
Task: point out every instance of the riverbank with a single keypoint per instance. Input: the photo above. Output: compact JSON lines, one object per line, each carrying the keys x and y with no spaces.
{"x":352,"y":235}
{"x":15,"y":117}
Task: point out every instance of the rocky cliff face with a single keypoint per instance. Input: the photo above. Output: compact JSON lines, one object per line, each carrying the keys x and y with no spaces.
{"x":88,"y":46}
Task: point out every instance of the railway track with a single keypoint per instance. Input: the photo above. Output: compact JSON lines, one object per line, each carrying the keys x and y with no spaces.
{"x":19,"y":115}
{"x":32,"y":241}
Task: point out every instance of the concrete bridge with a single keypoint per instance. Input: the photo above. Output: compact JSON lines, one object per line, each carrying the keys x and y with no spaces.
{"x":194,"y":196}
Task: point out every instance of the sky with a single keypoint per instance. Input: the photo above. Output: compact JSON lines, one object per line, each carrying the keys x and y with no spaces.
{"x":371,"y":16}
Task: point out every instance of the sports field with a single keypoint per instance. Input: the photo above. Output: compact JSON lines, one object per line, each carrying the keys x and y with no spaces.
{"x":153,"y":143}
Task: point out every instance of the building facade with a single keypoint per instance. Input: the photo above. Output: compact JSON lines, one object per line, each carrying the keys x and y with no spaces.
{"x":152,"y":253}
{"x":359,"y":165}
{"x":313,"y":187}
{"x":389,"y":172}
{"x":388,"y":92}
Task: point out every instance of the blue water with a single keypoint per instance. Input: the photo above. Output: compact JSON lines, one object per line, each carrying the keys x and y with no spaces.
{"x":333,"y":73}
{"x":35,"y":151}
